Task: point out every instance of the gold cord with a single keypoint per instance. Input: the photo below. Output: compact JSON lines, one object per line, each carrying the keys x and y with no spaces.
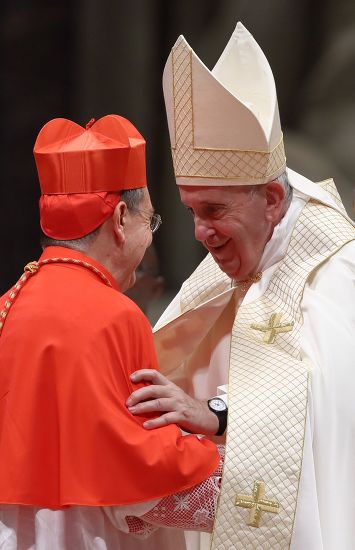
{"x":244,"y":285}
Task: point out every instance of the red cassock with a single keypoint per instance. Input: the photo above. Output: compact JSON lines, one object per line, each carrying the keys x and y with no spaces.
{"x":68,"y":347}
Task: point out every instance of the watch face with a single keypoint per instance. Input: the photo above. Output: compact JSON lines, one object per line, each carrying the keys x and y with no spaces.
{"x":217,"y":404}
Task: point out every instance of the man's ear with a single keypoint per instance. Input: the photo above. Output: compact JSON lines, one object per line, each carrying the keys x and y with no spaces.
{"x":119,"y":220}
{"x":274,"y":195}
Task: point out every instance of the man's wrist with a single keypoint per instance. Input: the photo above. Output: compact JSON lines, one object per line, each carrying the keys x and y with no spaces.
{"x":212,"y":422}
{"x":219,"y":408}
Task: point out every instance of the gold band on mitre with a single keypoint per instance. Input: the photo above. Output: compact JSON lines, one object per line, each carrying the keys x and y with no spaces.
{"x":233,"y":167}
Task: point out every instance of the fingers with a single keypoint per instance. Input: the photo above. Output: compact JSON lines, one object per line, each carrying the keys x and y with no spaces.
{"x":150,"y":375}
{"x":148,"y":392}
{"x":163,"y":420}
{"x":163,"y":396}
{"x":155,"y":405}
{"x":160,"y":386}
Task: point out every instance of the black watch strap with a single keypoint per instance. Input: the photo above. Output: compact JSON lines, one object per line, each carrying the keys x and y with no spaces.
{"x":222,"y":415}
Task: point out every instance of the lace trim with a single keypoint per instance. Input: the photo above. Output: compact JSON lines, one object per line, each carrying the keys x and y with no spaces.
{"x":193,"y":509}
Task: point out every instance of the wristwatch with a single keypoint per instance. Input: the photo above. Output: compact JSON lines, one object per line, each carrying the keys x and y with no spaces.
{"x":220,"y":409}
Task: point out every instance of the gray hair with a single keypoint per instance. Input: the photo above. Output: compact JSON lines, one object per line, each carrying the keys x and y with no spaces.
{"x":81,"y":244}
{"x":283,"y":179}
{"x":132,"y":198}
{"x":288,"y":190}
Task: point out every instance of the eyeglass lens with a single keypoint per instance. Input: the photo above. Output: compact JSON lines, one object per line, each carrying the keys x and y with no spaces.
{"x":155,"y":222}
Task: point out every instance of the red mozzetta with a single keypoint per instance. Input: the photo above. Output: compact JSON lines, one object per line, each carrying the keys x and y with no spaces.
{"x":66,"y":436}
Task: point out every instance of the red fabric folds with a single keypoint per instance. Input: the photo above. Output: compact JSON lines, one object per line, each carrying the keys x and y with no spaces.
{"x":67,"y":217}
{"x":107,"y":156}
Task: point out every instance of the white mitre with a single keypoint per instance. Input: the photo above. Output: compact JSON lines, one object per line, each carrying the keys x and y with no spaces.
{"x":224,"y":125}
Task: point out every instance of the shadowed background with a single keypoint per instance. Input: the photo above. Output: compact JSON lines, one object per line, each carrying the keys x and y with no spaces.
{"x":80,"y":59}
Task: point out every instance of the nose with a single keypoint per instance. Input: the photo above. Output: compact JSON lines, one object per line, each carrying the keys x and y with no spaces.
{"x":202,"y":230}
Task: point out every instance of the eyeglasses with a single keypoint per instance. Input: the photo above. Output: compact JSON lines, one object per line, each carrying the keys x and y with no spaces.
{"x":155,"y":220}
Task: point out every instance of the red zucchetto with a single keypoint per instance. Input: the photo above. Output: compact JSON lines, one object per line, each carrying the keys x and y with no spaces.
{"x":83,"y":170}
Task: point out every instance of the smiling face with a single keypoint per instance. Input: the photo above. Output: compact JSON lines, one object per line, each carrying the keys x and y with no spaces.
{"x":235,"y":223}
{"x":133,"y":236}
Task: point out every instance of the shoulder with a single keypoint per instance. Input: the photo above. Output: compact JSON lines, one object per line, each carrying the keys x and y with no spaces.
{"x":173,"y":310}
{"x":206,"y":282}
{"x":338,"y":270}
{"x":115,"y":303}
{"x":329,"y":294}
{"x":91,"y":308}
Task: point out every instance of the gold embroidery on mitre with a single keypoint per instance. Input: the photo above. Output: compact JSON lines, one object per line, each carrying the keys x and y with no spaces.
{"x":205,"y":162}
{"x":257,"y":504}
{"x":272,"y":328}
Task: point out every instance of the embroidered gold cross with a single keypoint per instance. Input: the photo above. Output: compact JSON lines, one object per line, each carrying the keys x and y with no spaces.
{"x":272,"y":328}
{"x":257,"y":504}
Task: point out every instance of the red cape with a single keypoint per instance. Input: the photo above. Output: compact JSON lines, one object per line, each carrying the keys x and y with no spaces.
{"x":67,"y":349}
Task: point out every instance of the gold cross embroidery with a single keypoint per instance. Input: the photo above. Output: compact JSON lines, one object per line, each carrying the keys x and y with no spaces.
{"x":272,"y":328}
{"x":257,"y":504}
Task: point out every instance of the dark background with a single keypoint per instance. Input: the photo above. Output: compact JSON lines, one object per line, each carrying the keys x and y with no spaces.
{"x":86,"y":58}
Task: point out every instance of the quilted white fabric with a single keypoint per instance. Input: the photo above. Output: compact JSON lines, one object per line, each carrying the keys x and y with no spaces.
{"x":268,"y":387}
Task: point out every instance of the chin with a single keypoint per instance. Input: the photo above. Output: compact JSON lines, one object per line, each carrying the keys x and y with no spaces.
{"x":129,"y":282}
{"x":132,"y":280}
{"x":238,"y":274}
{"x":232,"y":271}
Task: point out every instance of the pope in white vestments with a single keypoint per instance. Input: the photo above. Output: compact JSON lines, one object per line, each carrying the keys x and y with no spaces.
{"x":278,"y":346}
{"x":327,"y":343}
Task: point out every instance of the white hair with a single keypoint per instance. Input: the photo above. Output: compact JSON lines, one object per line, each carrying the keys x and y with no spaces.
{"x":283,"y":179}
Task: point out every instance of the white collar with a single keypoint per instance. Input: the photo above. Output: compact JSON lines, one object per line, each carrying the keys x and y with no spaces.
{"x":276,"y":247}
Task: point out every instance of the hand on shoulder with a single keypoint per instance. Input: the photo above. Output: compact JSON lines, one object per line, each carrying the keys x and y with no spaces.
{"x":175,"y":406}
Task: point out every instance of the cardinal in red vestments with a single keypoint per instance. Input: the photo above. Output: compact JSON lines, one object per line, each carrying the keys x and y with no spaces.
{"x":69,"y":341}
